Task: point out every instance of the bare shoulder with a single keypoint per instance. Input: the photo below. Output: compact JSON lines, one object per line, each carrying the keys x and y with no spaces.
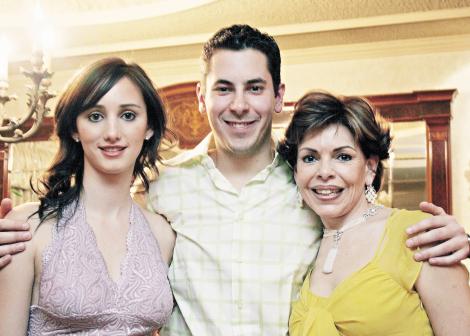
{"x":163,"y":233}
{"x":25,"y":213}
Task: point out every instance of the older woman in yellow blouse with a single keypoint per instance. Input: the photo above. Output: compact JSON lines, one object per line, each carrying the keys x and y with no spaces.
{"x":365,"y":280}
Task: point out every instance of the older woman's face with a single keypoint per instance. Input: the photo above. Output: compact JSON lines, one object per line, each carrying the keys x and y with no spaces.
{"x":331,"y":172}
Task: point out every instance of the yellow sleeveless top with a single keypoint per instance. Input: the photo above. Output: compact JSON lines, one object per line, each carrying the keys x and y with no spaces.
{"x":378,"y":299}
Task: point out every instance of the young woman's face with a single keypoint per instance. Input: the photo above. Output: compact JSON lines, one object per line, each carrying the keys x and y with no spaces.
{"x":113,"y":131}
{"x":331,"y":173}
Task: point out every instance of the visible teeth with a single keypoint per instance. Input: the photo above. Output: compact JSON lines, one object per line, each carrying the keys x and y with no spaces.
{"x":238,"y":124}
{"x":325,"y":192}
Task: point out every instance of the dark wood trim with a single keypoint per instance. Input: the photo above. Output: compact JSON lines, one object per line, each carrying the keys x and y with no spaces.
{"x":434,"y":108}
{"x":5,"y":188}
{"x":184,"y":119}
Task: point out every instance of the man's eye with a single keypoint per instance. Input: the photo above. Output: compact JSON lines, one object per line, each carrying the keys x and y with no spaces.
{"x":222,"y":89}
{"x":95,"y":116}
{"x":128,"y":116}
{"x":256,"y":89}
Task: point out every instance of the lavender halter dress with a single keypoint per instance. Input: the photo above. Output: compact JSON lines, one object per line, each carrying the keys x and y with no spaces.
{"x":77,"y":295}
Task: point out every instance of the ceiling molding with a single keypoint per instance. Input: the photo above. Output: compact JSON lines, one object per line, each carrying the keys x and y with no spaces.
{"x":292,"y":29}
{"x":111,"y":14}
{"x":377,"y":49}
{"x":373,"y":21}
{"x":191,"y":66}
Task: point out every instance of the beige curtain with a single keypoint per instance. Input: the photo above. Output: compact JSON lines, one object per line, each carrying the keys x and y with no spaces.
{"x":28,"y":161}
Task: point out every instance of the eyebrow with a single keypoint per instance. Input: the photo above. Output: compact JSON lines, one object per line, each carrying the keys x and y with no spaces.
{"x":121,"y":105}
{"x":249,"y":82}
{"x":223,"y":81}
{"x":334,"y":150}
{"x":256,"y":81}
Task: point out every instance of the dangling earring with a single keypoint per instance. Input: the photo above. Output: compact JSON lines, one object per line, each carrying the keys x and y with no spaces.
{"x":371,"y":194}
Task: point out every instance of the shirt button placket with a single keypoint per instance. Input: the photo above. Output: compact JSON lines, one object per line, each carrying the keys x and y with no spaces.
{"x":237,"y":264}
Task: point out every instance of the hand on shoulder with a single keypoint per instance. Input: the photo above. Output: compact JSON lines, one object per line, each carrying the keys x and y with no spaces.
{"x":14,"y":229}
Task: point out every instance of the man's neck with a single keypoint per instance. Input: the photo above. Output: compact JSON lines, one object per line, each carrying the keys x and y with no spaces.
{"x":239,"y":169}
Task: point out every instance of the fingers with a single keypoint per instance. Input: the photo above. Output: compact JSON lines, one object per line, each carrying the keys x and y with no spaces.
{"x":5,"y":260}
{"x":454,"y":250}
{"x":431,"y":209}
{"x":428,"y":237}
{"x":11,"y":249}
{"x":5,"y":207}
{"x":14,"y":237}
{"x":449,"y":260}
{"x":12,"y":225}
{"x":434,"y":230}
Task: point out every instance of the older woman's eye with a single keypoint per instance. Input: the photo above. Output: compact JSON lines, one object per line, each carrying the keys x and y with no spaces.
{"x":308,"y":159}
{"x":95,"y":116}
{"x":344,"y":157}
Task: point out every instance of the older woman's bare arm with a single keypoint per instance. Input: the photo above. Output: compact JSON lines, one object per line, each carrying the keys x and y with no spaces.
{"x":445,"y":294}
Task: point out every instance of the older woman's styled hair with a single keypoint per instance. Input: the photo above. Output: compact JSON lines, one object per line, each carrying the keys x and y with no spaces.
{"x":317,"y":110}
{"x":63,"y":181}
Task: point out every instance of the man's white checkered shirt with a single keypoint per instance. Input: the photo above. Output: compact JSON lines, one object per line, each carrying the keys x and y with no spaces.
{"x":240,"y":256}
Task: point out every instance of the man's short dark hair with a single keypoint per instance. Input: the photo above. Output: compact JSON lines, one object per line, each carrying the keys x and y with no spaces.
{"x":240,"y":37}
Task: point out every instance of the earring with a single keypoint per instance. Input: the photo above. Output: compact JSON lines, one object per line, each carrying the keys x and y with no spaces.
{"x":76,"y":139}
{"x":371,"y":194}
{"x":148,"y":137}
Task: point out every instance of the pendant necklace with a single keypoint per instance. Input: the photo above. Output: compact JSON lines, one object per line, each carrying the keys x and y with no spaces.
{"x":337,"y":235}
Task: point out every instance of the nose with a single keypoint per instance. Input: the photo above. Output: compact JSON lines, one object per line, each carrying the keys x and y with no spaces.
{"x":325,"y":170}
{"x":239,"y":104}
{"x":113,"y":130}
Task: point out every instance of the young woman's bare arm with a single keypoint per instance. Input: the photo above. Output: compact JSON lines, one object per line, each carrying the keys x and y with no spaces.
{"x":163,"y":233}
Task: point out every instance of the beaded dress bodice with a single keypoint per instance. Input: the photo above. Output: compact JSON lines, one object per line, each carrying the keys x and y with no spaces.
{"x":77,"y":296}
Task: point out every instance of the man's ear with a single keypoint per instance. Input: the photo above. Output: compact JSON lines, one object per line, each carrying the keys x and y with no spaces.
{"x":371,"y":169}
{"x":280,"y":98}
{"x":201,"y":99}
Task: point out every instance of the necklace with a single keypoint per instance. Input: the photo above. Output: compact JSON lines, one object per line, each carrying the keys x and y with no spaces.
{"x":338,"y":234}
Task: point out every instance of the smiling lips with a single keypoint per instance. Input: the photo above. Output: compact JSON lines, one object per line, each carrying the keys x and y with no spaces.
{"x":240,"y":124}
{"x":112,"y":151}
{"x":327,"y":192}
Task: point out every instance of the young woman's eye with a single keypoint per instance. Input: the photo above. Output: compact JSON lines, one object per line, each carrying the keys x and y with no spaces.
{"x":344,"y":157}
{"x":308,"y":159}
{"x":128,"y":116}
{"x":95,"y":116}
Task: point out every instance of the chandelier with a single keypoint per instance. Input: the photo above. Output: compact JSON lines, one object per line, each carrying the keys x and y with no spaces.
{"x":16,"y":129}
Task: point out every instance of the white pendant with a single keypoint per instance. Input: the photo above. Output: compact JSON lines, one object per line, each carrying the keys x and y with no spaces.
{"x":330,"y":260}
